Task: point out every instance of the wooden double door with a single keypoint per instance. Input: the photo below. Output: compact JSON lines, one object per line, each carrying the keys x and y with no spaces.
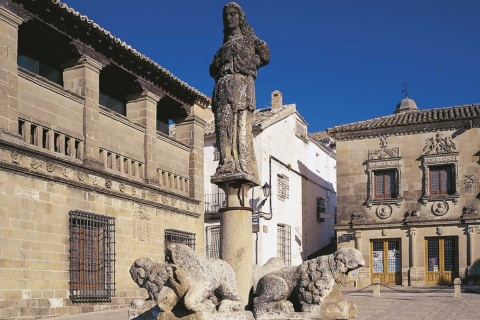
{"x":385,"y":261}
{"x":441,"y":260}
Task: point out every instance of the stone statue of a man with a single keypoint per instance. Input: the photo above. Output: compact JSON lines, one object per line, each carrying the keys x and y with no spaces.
{"x":234,"y":69}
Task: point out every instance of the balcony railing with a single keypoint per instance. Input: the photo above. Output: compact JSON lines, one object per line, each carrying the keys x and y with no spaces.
{"x":213,"y":202}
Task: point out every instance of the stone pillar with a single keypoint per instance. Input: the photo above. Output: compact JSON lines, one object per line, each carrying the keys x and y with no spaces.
{"x":471,"y":249}
{"x":412,"y":252}
{"x":144,"y":112}
{"x":84,"y":79}
{"x":236,"y":235}
{"x":358,"y":240}
{"x":191,"y":132}
{"x":9,"y":24}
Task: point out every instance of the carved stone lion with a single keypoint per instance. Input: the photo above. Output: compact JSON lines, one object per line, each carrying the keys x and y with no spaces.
{"x":307,"y":285}
{"x":202,"y":282}
{"x":149,"y":274}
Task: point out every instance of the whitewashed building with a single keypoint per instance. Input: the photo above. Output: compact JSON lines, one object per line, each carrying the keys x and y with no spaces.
{"x":297,"y":219}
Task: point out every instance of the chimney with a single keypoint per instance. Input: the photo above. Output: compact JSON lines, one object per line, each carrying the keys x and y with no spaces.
{"x":277,"y":103}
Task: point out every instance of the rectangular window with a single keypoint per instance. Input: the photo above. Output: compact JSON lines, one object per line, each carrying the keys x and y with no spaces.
{"x":284,"y":249}
{"x":441,"y":181}
{"x":283,"y":187}
{"x":92,"y":257}
{"x":385,"y":186}
{"x":212,"y":241}
{"x":178,"y":236}
{"x":321,"y":209}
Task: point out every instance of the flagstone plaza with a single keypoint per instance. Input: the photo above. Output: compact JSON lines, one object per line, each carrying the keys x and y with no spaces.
{"x":438,"y":305}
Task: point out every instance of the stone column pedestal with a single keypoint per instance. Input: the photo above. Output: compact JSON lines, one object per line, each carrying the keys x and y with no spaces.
{"x":236,"y":234}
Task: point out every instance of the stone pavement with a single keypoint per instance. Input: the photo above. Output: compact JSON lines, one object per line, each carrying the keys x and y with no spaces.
{"x":416,"y":305}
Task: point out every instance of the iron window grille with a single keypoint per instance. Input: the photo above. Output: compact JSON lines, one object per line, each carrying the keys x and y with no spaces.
{"x":284,"y":249}
{"x":92,"y":257}
{"x":283,"y":187}
{"x":212,"y":240}
{"x":178,"y":236}
{"x":321,"y":208}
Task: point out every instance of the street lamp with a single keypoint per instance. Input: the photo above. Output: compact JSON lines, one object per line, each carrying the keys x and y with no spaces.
{"x":266,"y":189}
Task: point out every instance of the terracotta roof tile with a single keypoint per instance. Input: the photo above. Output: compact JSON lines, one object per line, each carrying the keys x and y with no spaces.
{"x":414,"y":117}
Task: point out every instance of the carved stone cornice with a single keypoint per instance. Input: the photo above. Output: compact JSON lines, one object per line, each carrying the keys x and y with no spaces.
{"x":10,"y":18}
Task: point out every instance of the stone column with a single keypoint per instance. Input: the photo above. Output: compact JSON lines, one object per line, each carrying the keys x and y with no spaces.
{"x":144,"y":112}
{"x":84,"y":79}
{"x":9,"y":24}
{"x":236,"y":235}
{"x":412,"y":252}
{"x":358,"y":240}
{"x":471,"y":249}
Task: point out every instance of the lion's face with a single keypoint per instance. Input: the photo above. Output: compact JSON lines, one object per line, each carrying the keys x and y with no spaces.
{"x":348,"y":259}
{"x":139,"y":269}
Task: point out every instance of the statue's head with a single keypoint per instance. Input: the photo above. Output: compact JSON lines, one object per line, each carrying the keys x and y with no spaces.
{"x":233,"y":18}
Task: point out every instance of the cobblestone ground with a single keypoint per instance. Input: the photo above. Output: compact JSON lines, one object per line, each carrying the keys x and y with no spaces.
{"x":391,"y":306}
{"x":417,"y":306}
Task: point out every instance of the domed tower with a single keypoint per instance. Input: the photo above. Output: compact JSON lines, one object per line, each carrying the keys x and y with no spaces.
{"x":406,"y":105}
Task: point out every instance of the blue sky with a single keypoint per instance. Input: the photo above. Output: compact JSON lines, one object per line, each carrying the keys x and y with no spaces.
{"x":340,"y":61}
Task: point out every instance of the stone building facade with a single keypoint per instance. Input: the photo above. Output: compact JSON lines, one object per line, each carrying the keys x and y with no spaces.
{"x":90,"y":180}
{"x":296,"y":219}
{"x":408,"y":194}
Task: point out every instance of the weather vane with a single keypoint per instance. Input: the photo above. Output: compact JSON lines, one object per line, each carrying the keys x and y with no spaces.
{"x":405,"y":88}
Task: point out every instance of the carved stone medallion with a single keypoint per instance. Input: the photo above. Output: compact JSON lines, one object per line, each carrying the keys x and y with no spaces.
{"x":384,"y":211}
{"x":439,"y":208}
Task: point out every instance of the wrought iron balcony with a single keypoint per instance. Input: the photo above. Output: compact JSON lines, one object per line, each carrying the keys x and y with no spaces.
{"x":213,"y":202}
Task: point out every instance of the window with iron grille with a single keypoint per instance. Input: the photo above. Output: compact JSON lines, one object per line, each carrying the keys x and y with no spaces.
{"x":178,"y":236}
{"x":212,"y":241}
{"x":385,"y":186}
{"x":284,"y":249}
{"x":92,"y":257}
{"x":441,"y":182}
{"x":283,"y":187}
{"x":321,"y":208}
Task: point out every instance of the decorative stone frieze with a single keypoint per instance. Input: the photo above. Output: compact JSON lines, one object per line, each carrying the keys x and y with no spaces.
{"x":384,"y":164}
{"x":72,"y":174}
